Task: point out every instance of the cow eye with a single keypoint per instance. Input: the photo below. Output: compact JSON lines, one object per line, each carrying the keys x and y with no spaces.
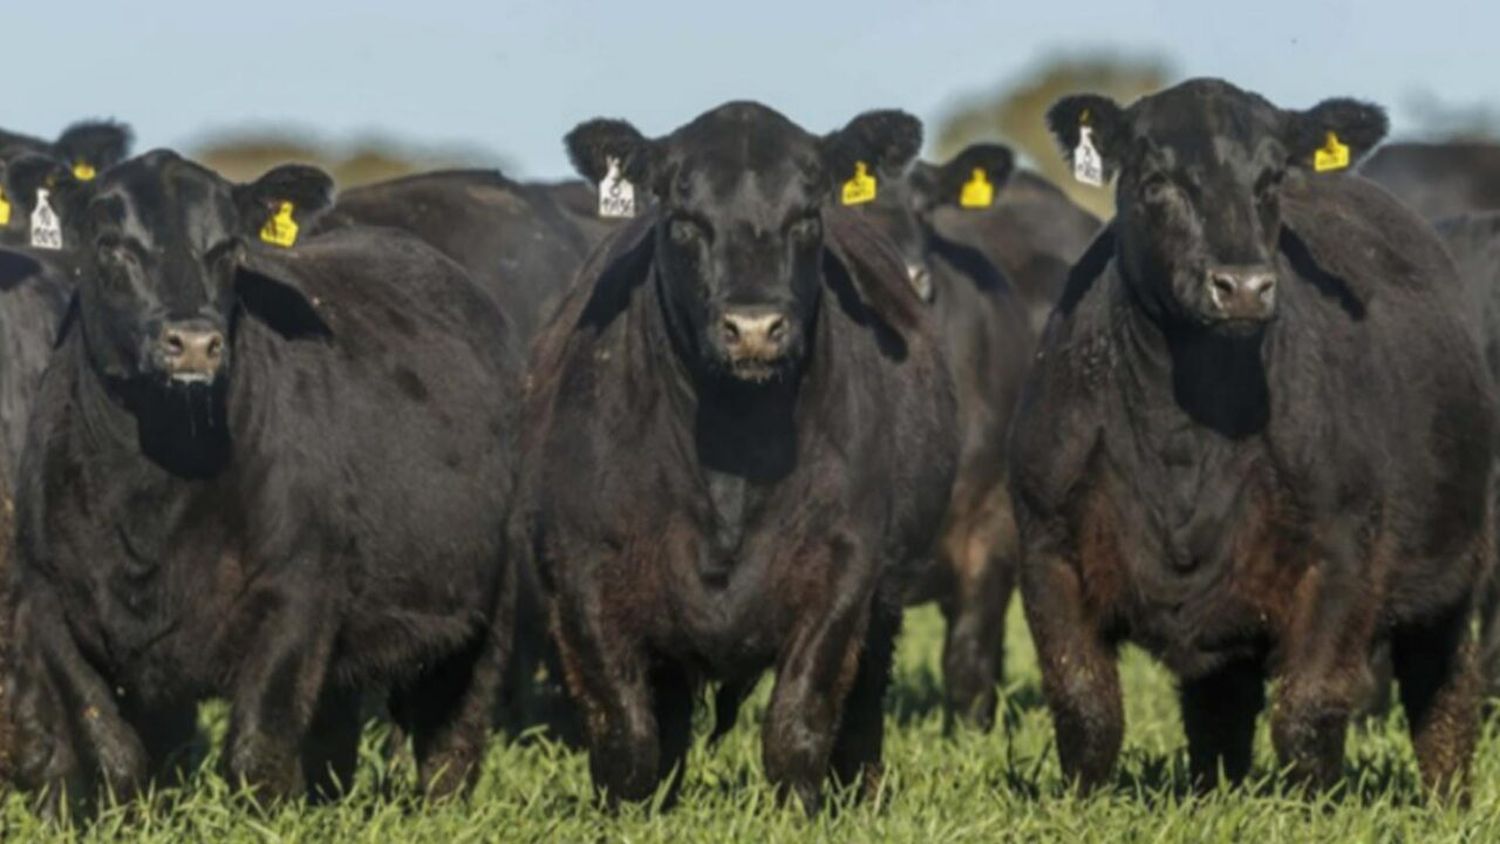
{"x":685,"y":231}
{"x":806,"y":230}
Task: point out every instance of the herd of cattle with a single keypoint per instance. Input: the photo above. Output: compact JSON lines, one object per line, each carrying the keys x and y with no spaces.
{"x":727,"y":406}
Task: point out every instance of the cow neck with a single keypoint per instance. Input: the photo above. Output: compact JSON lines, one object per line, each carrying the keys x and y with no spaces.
{"x":1219,"y":381}
{"x":185,"y":433}
{"x":736,"y":428}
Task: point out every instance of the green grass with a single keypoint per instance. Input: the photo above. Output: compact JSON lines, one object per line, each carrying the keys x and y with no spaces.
{"x":1004,"y":786}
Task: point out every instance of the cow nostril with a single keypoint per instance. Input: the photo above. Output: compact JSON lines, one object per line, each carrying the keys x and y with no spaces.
{"x":175,"y":345}
{"x":1223,"y":285}
{"x":776,"y":330}
{"x":215,"y":347}
{"x":730,"y":329}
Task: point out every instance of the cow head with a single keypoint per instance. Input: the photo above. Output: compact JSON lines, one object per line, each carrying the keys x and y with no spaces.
{"x":164,"y":251}
{"x":1200,"y":169}
{"x":87,"y":148}
{"x":740,"y":192}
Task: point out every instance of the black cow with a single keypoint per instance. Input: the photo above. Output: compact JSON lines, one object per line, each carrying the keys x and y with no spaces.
{"x":273,"y":475}
{"x":522,"y":242}
{"x":983,"y":332}
{"x":1439,"y":180}
{"x":1258,"y":437}
{"x":33,"y":295}
{"x":740,"y":427}
{"x":1021,"y":222}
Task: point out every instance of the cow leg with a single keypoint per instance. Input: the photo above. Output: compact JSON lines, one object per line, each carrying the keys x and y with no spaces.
{"x":861,"y":736}
{"x":607,"y":675}
{"x":815,"y":673}
{"x":67,"y":713}
{"x":276,"y":691}
{"x":1080,"y":678}
{"x":974,"y":647}
{"x":672,"y":701}
{"x":1440,"y":691}
{"x":447,"y":709}
{"x":1489,"y":636}
{"x":1218,"y":713}
{"x":331,"y":749}
{"x":170,"y":737}
{"x":1324,"y":665}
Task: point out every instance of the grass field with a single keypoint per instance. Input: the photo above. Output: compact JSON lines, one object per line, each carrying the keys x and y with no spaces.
{"x":1005,"y":786}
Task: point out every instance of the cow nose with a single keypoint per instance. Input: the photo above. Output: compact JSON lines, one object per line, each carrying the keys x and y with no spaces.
{"x":753,"y":334}
{"x":191,"y":351}
{"x":1242,"y":292}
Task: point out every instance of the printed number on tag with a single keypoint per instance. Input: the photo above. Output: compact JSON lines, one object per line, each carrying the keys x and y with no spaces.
{"x":1088,"y":167}
{"x":616,"y":193}
{"x":46,"y":228}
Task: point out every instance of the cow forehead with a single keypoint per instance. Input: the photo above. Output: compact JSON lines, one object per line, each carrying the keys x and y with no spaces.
{"x":744,"y":153}
{"x":1194,"y":125}
{"x":169,"y":203}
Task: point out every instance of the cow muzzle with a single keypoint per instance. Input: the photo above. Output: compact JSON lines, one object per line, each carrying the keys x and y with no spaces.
{"x":1241,"y":293}
{"x":190,"y":352}
{"x":755,"y":341}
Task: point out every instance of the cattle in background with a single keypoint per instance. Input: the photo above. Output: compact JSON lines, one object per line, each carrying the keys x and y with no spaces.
{"x":740,"y":429}
{"x":1257,"y":438}
{"x":1021,"y":222}
{"x":275,"y":475}
{"x":34,"y":293}
{"x":521,"y":242}
{"x":1439,"y":180}
{"x":982,"y":329}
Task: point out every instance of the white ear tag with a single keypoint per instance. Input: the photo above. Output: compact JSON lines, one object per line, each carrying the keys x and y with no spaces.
{"x":1088,"y":167}
{"x":616,"y":193}
{"x":46,"y":229}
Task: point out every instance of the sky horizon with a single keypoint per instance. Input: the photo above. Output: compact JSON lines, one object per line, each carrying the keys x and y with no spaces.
{"x":508,"y":80}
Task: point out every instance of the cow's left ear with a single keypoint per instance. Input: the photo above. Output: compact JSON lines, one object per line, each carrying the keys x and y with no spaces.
{"x":1334,"y":134}
{"x":595,"y":146}
{"x":972,"y":179}
{"x":874,"y":143}
{"x":283,"y":204}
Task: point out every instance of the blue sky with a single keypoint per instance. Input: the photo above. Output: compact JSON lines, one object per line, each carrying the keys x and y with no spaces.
{"x":511,"y":78}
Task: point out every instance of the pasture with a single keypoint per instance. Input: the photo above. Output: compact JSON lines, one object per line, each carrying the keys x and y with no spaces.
{"x":1002,"y":787}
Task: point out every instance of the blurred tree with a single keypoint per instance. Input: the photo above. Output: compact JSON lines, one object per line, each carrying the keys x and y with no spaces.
{"x":1442,"y":121}
{"x":244,"y":155}
{"x":1014,"y":113}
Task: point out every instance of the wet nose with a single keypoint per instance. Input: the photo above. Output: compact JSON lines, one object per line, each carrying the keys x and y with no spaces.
{"x":754,"y":333}
{"x":1242,"y":292}
{"x":191,"y":351}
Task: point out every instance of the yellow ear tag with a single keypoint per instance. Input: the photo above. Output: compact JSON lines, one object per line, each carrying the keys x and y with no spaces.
{"x":84,"y":171}
{"x":4,"y":209}
{"x":977,"y":191}
{"x":1333,"y":156}
{"x":281,"y":229}
{"x":861,"y":188}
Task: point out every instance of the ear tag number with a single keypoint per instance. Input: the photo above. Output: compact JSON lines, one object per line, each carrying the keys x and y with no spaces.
{"x":84,"y":171}
{"x":46,"y":228}
{"x":4,"y":209}
{"x":616,"y":193}
{"x":861,"y":187}
{"x":1088,"y":167}
{"x":977,"y":191}
{"x":1333,"y":156}
{"x":281,"y":229}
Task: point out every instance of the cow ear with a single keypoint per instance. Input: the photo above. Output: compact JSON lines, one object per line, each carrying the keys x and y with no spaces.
{"x":28,"y":179}
{"x":1107,"y":136}
{"x":283,"y":204}
{"x":594,"y":144}
{"x":972,"y":179}
{"x":1334,"y":134}
{"x":93,"y":146}
{"x":876,"y":142}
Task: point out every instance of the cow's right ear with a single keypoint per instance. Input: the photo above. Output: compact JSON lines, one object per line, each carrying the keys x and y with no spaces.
{"x":595,"y":144}
{"x":28,"y":179}
{"x":1085,"y":123}
{"x":93,"y":146}
{"x":972,"y":179}
{"x":283,"y":204}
